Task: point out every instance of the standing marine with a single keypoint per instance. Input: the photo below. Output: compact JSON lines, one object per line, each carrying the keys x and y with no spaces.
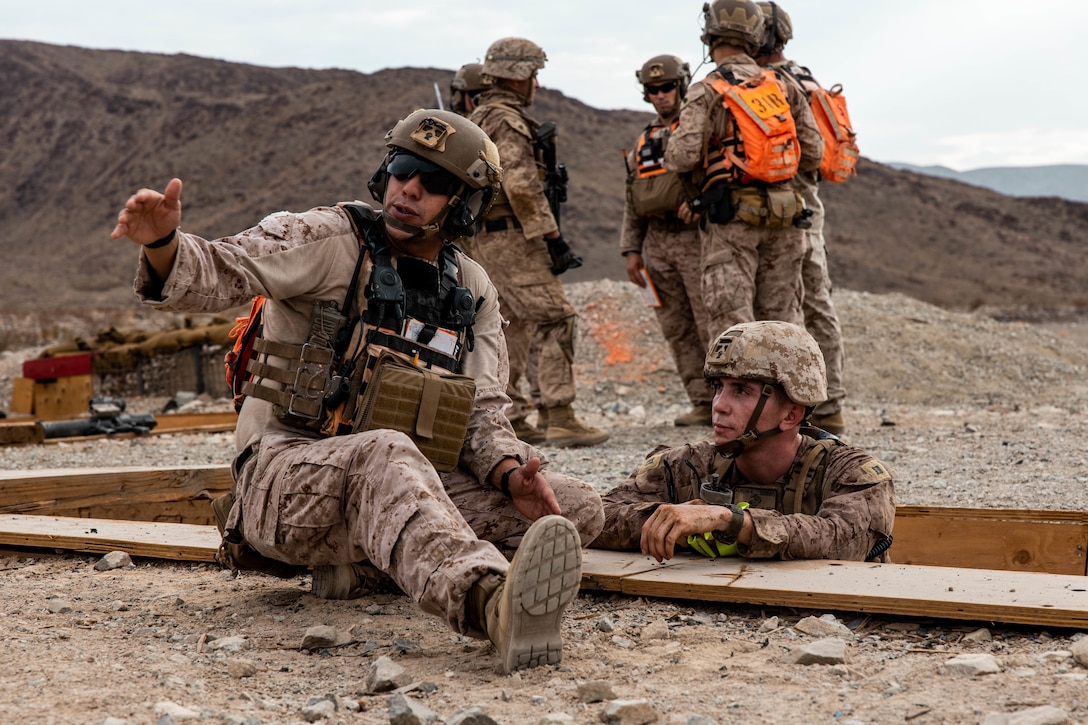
{"x":521,"y":248}
{"x":656,"y":243}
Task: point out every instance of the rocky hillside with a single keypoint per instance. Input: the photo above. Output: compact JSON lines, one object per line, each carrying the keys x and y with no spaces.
{"x":82,"y":129}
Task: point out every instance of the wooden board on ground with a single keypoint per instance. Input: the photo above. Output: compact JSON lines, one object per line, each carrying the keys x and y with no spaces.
{"x":1051,"y":600}
{"x":178,"y":542}
{"x":1053,"y":542}
{"x":176,"y":495}
{"x":186,"y":422}
{"x":899,"y":589}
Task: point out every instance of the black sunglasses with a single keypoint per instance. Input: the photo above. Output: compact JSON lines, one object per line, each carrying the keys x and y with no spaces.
{"x":663,"y":88}
{"x":434,"y":178}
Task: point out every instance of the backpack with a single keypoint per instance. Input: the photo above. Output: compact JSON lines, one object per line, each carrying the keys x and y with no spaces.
{"x":768,"y":149}
{"x":829,"y":109}
{"x":245,"y":332}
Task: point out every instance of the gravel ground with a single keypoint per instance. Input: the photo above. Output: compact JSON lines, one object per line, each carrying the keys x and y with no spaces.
{"x":969,"y":411}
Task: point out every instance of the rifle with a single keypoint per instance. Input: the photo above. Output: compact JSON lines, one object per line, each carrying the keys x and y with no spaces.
{"x":107,"y":418}
{"x":555,"y":189}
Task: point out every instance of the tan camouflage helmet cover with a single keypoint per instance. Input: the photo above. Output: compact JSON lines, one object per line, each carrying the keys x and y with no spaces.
{"x":514,"y":58}
{"x":470,"y":79}
{"x":736,"y":22}
{"x":776,"y":38}
{"x":774,"y":352}
{"x":662,"y":69}
{"x":451,"y":141}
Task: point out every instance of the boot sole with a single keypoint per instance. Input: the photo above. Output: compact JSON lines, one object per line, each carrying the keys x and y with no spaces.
{"x":543,"y":579}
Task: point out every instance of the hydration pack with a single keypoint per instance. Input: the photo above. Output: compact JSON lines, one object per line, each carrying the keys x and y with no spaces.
{"x":829,"y":109}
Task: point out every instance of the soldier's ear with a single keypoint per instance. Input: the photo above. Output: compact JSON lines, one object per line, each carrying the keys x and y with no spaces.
{"x":794,"y":416}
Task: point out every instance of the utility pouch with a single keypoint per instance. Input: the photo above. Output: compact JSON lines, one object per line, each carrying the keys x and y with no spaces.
{"x":656,"y":194}
{"x":716,"y":205}
{"x":235,"y":554}
{"x":759,"y":207}
{"x":430,"y":407}
{"x":713,"y":494}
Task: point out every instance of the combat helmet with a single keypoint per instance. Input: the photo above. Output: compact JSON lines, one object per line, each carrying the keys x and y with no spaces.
{"x":778,"y":28}
{"x":516,"y":59}
{"x":736,"y":22}
{"x":662,"y":69}
{"x":446,"y":142}
{"x":774,"y":353}
{"x":468,"y":81}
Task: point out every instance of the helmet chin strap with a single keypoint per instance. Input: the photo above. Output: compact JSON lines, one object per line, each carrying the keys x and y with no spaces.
{"x":734,"y":448}
{"x":427,"y":230}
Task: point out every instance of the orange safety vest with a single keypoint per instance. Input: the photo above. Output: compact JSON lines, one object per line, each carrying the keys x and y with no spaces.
{"x":764,"y":146}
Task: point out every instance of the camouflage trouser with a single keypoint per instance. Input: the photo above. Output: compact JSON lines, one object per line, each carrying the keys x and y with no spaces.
{"x":672,"y":260}
{"x":532,"y":299}
{"x":751,"y":273}
{"x":821,"y":320}
{"x":374,"y":496}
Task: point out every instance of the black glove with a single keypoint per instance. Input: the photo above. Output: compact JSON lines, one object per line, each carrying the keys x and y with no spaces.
{"x":563,"y":257}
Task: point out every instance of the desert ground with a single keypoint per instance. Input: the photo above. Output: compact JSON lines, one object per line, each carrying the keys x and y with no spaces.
{"x":970,"y":412}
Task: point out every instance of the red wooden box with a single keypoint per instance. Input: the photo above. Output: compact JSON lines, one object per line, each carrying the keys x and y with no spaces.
{"x":63,"y":366}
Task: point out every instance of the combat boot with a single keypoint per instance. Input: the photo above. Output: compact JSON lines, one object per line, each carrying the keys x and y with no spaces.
{"x":566,"y":431}
{"x":833,"y":423}
{"x":350,"y":581}
{"x":527,"y":432}
{"x":698,"y":415}
{"x":522,"y":612}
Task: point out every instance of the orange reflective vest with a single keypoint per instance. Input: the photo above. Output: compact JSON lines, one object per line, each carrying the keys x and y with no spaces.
{"x":764,"y":146}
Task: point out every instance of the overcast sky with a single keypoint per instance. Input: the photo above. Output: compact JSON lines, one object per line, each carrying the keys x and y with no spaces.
{"x":962,"y":83}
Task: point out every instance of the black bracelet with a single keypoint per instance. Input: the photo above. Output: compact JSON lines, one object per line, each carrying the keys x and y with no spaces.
{"x":159,"y":243}
{"x":504,"y":482}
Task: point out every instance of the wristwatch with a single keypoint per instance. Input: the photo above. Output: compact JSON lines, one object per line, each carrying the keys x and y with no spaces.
{"x":732,"y":531}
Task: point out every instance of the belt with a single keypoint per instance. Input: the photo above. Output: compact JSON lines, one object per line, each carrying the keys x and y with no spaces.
{"x":501,"y":224}
{"x":240,"y":460}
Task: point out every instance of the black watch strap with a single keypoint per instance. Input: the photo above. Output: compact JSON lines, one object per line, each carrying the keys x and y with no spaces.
{"x":732,"y":531}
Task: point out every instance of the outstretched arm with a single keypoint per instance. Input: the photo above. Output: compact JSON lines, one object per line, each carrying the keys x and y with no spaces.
{"x":149,"y":216}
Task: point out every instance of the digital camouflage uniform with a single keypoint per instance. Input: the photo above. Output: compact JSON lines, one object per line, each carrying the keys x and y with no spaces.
{"x":309,"y":500}
{"x":821,"y":319}
{"x":749,"y":273}
{"x":843,"y":512}
{"x":671,"y":254}
{"x":512,"y":249}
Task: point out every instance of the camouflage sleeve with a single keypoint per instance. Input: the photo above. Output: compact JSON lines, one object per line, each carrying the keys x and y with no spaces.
{"x":520,"y":177}
{"x":685,"y":149}
{"x":808,"y":135}
{"x":668,"y":475}
{"x":858,"y":510}
{"x":633,"y":229}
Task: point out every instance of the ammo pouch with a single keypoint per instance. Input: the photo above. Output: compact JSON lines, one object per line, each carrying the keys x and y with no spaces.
{"x":760,"y":207}
{"x":715,"y":204}
{"x":431,"y":407}
{"x":656,"y":194}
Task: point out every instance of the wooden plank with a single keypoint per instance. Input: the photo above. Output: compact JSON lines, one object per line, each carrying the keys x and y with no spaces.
{"x":178,"y":542}
{"x":17,"y":432}
{"x":936,"y":538}
{"x":899,"y":589}
{"x":190,"y":421}
{"x":63,"y":398}
{"x":22,"y":396}
{"x":181,"y":495}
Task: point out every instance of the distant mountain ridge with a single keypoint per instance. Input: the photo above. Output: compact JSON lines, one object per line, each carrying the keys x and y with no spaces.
{"x":82,"y":129}
{"x":1066,"y":181}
